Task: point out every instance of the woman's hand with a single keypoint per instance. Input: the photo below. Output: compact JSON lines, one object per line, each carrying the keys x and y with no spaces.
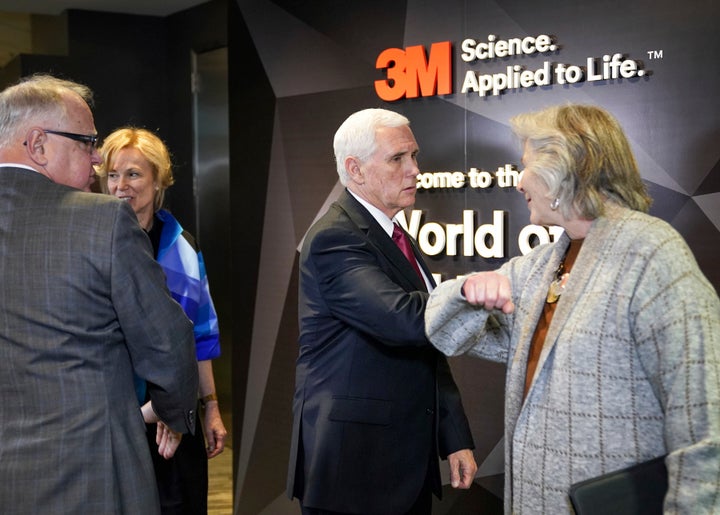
{"x":489,"y":290}
{"x":215,"y":431}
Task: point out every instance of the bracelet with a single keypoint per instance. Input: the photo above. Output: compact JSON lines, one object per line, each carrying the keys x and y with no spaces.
{"x":209,"y":397}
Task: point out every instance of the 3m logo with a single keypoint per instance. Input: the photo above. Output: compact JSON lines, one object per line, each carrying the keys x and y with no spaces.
{"x":411,"y":74}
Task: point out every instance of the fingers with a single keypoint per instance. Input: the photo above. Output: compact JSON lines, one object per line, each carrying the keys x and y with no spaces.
{"x":159,"y":433}
{"x":508,"y":307}
{"x":171,"y":444}
{"x":216,"y":444}
{"x":212,"y":452}
{"x":167,"y":440}
{"x":211,"y":448}
{"x":462,"y":469}
{"x":489,"y":290}
{"x":454,"y":473}
{"x":215,"y":434}
{"x":467,"y":475}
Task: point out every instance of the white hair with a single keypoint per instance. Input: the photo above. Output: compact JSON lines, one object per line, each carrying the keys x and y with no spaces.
{"x":356,"y":136}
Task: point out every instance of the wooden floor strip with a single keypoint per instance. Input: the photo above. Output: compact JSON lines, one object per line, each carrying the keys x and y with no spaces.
{"x":220,"y":484}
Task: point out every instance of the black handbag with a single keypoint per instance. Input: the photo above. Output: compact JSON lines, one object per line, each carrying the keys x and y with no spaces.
{"x":636,"y":490}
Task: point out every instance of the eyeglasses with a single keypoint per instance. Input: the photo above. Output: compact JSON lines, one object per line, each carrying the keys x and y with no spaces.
{"x":90,"y":141}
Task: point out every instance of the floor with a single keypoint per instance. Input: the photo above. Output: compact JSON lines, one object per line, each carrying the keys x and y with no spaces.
{"x":220,"y":484}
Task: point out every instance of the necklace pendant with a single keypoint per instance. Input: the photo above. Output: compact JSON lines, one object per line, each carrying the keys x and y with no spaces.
{"x":556,"y":288}
{"x":554,"y":292}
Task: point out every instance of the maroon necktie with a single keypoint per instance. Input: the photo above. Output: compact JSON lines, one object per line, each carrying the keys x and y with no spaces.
{"x":401,"y":240}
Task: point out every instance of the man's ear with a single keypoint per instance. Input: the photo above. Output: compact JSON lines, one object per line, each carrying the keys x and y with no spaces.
{"x":35,"y":146}
{"x":353,"y":169}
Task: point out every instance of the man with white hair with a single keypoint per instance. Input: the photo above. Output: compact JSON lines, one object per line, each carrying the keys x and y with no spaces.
{"x":375,"y":403}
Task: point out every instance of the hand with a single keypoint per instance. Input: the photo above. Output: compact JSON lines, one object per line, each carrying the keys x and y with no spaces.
{"x":215,"y":432}
{"x":149,"y":416}
{"x":489,"y":290}
{"x":462,"y":469}
{"x":167,"y":440}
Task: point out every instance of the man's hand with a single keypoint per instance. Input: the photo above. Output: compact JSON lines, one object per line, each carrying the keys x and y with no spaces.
{"x":489,"y":290}
{"x":462,"y":468}
{"x":167,"y":440}
{"x":149,"y":416}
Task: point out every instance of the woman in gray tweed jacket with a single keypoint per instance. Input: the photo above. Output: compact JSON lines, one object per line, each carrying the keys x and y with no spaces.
{"x":611,"y":334}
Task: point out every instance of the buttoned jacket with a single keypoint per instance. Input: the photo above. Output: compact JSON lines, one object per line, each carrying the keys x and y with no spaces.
{"x":375,"y":404}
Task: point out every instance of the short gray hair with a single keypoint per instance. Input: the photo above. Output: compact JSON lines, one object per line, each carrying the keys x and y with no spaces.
{"x":35,"y":97}
{"x":356,"y":136}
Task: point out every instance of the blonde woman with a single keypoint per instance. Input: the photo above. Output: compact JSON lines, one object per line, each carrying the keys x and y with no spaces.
{"x":137,"y":169}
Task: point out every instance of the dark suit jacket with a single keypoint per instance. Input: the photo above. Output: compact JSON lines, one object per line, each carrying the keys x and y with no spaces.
{"x":375,"y":403}
{"x":82,"y":304}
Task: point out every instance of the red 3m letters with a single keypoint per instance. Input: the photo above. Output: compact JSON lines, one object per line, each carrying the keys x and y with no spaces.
{"x":411,"y":74}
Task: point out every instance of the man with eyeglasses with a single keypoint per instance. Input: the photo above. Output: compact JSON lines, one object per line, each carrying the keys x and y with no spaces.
{"x":64,"y":157}
{"x":83,"y":304}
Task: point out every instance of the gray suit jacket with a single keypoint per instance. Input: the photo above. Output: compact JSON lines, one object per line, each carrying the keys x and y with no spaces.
{"x":630,"y":369}
{"x":82,"y":304}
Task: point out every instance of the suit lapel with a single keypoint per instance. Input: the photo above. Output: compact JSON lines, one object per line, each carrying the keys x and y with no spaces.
{"x":380,"y":239}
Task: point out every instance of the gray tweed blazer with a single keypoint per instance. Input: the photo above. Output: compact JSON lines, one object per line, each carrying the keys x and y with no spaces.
{"x":630,"y":369}
{"x":83,"y":304}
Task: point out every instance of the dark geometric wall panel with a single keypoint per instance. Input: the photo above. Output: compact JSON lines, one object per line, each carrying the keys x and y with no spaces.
{"x":319,"y":61}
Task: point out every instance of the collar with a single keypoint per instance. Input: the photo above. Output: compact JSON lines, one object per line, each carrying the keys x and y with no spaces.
{"x":17,"y":165}
{"x":380,"y":217}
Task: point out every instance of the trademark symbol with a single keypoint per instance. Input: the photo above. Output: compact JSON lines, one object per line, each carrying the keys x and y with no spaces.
{"x":655,"y":54}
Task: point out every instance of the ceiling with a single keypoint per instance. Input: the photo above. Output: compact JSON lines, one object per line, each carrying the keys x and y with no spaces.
{"x":143,"y":7}
{"x":16,"y":27}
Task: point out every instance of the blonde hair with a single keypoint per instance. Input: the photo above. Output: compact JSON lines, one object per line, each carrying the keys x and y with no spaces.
{"x":150,"y":146}
{"x":584,"y":158}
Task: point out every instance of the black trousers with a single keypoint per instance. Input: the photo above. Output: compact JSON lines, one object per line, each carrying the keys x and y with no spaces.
{"x":183,"y":479}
